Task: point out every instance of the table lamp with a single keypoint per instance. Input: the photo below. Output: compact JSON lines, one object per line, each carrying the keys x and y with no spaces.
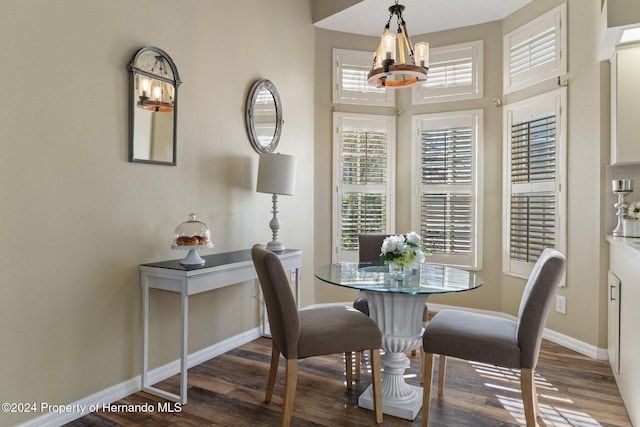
{"x":276,"y":175}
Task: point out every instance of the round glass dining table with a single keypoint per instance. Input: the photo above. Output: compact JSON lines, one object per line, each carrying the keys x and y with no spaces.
{"x":397,"y":307}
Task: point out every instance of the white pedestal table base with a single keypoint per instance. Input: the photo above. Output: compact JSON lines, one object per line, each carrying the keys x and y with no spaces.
{"x":399,"y":317}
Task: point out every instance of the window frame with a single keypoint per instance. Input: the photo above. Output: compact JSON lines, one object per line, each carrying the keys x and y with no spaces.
{"x":421,"y":94}
{"x":473,"y":118}
{"x":556,"y":18}
{"x":556,"y":101}
{"x":385,"y":98}
{"x":378,"y":121}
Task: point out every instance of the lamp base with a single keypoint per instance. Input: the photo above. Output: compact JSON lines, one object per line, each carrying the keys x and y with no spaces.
{"x":275,"y":246}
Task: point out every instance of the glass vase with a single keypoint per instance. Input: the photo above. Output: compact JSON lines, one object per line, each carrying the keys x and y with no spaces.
{"x":399,"y":272}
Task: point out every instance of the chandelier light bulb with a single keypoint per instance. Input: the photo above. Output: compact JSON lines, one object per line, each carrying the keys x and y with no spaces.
{"x":422,"y":54}
{"x":389,"y":46}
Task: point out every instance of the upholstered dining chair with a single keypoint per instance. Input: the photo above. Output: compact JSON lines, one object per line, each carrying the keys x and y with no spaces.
{"x":369,"y":250}
{"x":494,"y":340}
{"x":311,"y":332}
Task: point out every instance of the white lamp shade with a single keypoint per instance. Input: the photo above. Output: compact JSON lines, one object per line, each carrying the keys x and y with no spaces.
{"x":276,"y":174}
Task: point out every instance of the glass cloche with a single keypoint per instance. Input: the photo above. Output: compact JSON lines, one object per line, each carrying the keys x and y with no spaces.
{"x":191,"y":235}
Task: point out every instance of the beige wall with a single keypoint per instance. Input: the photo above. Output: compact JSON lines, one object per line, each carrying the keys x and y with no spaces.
{"x":588,"y":93}
{"x":77,"y":218}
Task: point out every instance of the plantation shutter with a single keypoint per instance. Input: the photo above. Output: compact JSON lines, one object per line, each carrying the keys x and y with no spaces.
{"x":450,"y":74}
{"x":455,"y":72}
{"x":448,"y":198}
{"x":533,"y":159}
{"x":350,"y":80}
{"x":363,"y":180}
{"x":446,"y":216}
{"x":363,"y":163}
{"x":532,"y":225}
{"x":354,"y":78}
{"x":536,"y":51}
{"x":534,"y":174}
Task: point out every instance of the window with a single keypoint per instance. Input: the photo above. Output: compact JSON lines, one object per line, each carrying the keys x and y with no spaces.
{"x":364,"y":155}
{"x":350,"y":80}
{"x":455,"y":72}
{"x":535,"y":201}
{"x":447,"y":205}
{"x":536,"y":51}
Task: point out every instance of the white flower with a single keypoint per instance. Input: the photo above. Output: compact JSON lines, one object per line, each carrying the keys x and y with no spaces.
{"x":634,"y":210}
{"x":393,"y":244}
{"x":413,"y":237}
{"x":402,"y":249}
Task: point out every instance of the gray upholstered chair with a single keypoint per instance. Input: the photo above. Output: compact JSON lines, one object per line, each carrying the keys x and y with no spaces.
{"x":495,"y":340}
{"x":368,"y":251}
{"x":312,"y":332}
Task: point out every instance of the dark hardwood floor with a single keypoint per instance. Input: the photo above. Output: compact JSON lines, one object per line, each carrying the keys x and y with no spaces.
{"x":228,"y":390}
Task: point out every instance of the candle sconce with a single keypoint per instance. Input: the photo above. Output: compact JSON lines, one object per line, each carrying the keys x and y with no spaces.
{"x":621,"y":187}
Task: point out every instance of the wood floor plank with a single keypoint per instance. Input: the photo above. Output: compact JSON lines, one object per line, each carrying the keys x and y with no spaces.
{"x":228,"y":390}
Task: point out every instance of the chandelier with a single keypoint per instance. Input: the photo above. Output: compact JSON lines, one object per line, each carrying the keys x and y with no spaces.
{"x":389,"y":72}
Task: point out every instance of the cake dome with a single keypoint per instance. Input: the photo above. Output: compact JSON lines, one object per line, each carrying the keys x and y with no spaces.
{"x":192,"y":233}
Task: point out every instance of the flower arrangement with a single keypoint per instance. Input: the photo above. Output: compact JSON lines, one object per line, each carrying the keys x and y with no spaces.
{"x":634,"y":210}
{"x":403,"y":250}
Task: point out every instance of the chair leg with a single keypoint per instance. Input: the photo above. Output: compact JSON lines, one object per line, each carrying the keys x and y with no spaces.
{"x":427,"y":378}
{"x":535,"y":395}
{"x":289,"y":391}
{"x":273,"y":371}
{"x":358,"y":367}
{"x":442,"y":369}
{"x":529,"y":398}
{"x":348,"y":368}
{"x":376,"y":368}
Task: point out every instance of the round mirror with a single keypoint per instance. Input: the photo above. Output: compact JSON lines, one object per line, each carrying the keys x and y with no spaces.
{"x":264,"y":116}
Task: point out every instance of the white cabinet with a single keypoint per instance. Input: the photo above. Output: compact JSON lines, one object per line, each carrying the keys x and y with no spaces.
{"x":613,"y":335}
{"x":625,"y":104}
{"x":624,"y":262}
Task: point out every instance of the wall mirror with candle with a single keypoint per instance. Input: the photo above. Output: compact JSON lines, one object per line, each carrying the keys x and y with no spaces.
{"x":153,"y":106}
{"x":263,"y":116}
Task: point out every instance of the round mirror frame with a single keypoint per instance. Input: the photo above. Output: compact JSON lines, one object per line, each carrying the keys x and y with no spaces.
{"x":249,"y":116}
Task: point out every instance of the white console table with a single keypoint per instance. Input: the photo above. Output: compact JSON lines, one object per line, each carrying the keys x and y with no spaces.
{"x":218,"y":271}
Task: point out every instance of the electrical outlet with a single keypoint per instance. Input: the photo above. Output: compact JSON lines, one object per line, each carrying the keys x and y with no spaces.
{"x":292,"y":275}
{"x":561,"y":304}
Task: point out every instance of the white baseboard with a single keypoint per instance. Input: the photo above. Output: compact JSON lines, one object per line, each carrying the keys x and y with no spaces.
{"x":112,"y":394}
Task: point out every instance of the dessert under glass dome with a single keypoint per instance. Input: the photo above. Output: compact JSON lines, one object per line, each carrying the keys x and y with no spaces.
{"x":192,"y":235}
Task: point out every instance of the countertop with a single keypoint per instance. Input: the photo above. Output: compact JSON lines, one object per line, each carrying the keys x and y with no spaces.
{"x":629,"y":243}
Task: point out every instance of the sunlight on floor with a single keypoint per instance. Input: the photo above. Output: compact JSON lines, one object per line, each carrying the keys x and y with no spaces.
{"x":558,"y":413}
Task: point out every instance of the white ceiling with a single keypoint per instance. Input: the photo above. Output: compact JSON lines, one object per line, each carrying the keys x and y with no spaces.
{"x":368,"y":17}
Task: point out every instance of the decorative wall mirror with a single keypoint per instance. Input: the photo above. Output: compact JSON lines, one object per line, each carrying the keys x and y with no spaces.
{"x":263,"y":116}
{"x":153,"y":106}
